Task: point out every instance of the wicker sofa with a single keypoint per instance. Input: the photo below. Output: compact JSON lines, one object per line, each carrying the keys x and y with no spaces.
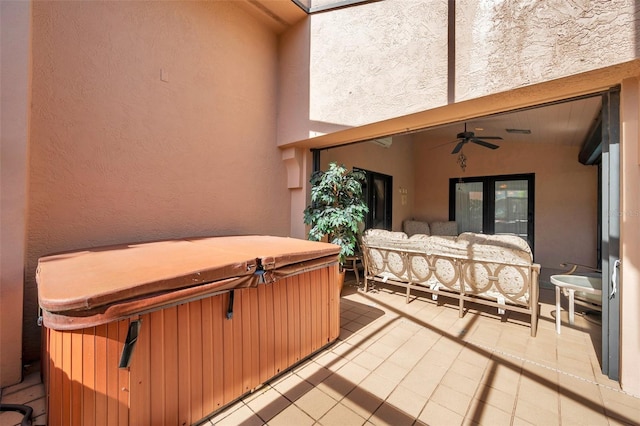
{"x":493,"y":270}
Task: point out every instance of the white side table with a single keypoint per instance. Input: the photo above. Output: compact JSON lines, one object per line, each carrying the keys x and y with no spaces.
{"x":569,"y":284}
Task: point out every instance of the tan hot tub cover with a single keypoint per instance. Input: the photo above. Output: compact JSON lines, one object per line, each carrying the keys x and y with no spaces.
{"x":96,"y":286}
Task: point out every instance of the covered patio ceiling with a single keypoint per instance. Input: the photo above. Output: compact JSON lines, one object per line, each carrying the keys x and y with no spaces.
{"x":566,"y":123}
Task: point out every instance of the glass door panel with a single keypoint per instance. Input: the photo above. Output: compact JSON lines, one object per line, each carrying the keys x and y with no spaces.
{"x":512,"y":208}
{"x":469,"y":206}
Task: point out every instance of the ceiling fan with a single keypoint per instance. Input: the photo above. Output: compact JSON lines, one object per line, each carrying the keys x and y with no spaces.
{"x":466,"y":137}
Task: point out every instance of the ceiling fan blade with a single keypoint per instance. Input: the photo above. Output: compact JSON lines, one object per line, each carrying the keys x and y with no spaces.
{"x":490,"y":137}
{"x":458,"y":147}
{"x":485,"y":144}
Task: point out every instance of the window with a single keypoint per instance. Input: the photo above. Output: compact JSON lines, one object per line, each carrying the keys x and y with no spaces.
{"x":494,"y":205}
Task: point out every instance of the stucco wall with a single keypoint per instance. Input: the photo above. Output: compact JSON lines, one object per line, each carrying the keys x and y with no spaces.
{"x":15,"y":57}
{"x":118,"y":154}
{"x":629,"y":241}
{"x":293,"y":77}
{"x":387,"y":59}
{"x":379,"y":60}
{"x":546,"y":40}
{"x":565,"y":192}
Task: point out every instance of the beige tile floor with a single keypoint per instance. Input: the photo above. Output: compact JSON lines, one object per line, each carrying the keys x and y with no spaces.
{"x":418,"y":363}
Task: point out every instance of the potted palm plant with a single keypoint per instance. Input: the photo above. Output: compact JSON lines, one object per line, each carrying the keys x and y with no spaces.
{"x":337,"y":208}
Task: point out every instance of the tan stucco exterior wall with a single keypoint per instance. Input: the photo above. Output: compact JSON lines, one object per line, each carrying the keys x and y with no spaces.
{"x":630,"y":237}
{"x":150,"y":120}
{"x":503,"y":45}
{"x":15,"y":81}
{"x":293,"y":78}
{"x":376,"y":61}
{"x":293,"y":118}
{"x":388,"y":59}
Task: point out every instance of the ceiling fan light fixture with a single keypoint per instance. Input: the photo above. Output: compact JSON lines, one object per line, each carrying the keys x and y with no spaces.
{"x":519,"y":131}
{"x":462,"y":161}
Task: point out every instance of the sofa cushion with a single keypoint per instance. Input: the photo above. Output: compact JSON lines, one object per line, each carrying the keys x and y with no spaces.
{"x":504,"y":248}
{"x":383,"y":233}
{"x":444,"y":228}
{"x":413,"y":227}
{"x":446,"y":245}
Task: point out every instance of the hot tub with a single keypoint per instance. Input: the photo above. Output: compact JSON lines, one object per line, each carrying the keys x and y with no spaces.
{"x":169,"y":332}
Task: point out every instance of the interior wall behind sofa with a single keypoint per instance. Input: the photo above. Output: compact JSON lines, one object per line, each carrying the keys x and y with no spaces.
{"x":565,"y":192}
{"x":150,"y":120}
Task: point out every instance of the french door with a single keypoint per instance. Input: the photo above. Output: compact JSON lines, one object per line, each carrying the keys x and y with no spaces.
{"x":494,"y":205}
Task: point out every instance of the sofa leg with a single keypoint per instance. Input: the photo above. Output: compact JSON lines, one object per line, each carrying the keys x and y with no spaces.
{"x":534,"y":320}
{"x":408,"y":294}
{"x":461,"y":308}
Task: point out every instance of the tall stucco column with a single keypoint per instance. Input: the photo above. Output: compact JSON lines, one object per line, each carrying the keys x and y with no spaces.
{"x":15,"y":86}
{"x":629,"y":242}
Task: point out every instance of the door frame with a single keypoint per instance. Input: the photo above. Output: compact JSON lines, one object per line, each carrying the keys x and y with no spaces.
{"x":610,"y":222}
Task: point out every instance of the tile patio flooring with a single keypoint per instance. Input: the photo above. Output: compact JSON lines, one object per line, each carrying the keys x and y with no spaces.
{"x":418,"y":363}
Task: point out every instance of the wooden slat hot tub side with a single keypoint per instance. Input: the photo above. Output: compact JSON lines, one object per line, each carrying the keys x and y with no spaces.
{"x":190,"y":360}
